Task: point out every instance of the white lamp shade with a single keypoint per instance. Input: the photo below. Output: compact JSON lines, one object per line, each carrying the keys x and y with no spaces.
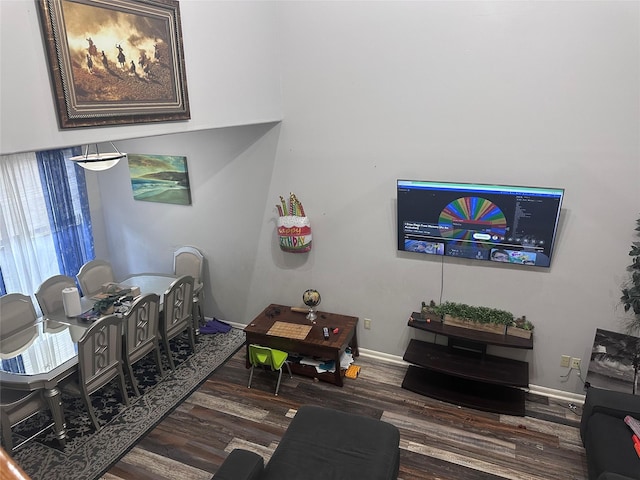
{"x":97,"y":165}
{"x":98,"y":161}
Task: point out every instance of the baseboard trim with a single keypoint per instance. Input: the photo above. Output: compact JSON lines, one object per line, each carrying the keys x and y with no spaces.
{"x":535,"y":389}
{"x":576,"y":398}
{"x":382,"y":356}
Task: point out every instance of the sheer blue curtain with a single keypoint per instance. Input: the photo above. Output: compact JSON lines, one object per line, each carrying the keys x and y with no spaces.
{"x":65,"y":196}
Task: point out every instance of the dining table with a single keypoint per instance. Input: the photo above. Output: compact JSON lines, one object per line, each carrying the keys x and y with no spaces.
{"x":43,"y":354}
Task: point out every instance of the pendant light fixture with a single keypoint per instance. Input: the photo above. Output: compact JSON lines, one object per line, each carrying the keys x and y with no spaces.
{"x":98,"y":161}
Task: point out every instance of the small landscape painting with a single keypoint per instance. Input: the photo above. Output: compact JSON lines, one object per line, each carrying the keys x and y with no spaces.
{"x":159,"y":178}
{"x":615,"y":362}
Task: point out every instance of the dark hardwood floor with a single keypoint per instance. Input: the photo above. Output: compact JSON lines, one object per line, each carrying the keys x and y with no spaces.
{"x":438,"y":440}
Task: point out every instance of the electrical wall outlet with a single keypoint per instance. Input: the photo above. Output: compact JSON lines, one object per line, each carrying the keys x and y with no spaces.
{"x":367,"y":323}
{"x":575,"y":363}
{"x":565,"y":361}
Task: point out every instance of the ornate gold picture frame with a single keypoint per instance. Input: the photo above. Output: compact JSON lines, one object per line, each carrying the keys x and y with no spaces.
{"x":115,"y":61}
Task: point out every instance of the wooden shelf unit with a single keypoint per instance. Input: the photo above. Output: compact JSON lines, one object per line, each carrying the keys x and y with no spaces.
{"x":463,"y":373}
{"x":487,"y":338}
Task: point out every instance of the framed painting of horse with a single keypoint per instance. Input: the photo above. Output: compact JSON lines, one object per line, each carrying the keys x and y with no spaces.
{"x":115,"y":61}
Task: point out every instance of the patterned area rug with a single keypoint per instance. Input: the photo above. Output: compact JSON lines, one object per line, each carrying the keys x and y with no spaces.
{"x":87,"y":453}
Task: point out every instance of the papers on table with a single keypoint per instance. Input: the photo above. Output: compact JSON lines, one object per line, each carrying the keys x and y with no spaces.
{"x":324,"y":366}
{"x":120,"y":308}
{"x":112,"y":289}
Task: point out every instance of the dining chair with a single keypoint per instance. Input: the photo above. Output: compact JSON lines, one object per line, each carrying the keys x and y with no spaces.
{"x":16,"y":314}
{"x":188,"y":260}
{"x":141,"y":324}
{"x":49,"y":293}
{"x":99,"y":362}
{"x":18,"y":406}
{"x":260,"y":356}
{"x":177,"y":314}
{"x":13,"y":345}
{"x":93,"y":275}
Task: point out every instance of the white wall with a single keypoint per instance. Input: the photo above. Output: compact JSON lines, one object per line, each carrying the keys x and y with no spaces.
{"x":232,"y":75}
{"x":229,"y":173}
{"x":533,"y":93}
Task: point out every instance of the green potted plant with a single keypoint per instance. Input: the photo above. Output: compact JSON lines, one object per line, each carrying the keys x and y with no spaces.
{"x":631,"y":290}
{"x":478,"y":318}
{"x":521,"y":327}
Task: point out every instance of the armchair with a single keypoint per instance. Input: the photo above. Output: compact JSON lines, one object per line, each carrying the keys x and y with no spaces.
{"x":605,"y":436}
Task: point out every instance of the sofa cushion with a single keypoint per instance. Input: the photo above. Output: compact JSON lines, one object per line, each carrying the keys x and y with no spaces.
{"x":610,"y":448}
{"x":240,"y":465}
{"x":613,"y":476}
{"x":322,"y":444}
{"x":611,"y":402}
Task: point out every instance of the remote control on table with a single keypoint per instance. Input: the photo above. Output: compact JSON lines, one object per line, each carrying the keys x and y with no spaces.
{"x":633,"y":424}
{"x":325,"y":333}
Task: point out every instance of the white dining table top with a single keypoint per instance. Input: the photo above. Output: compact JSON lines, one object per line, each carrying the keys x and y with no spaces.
{"x":149,"y":282}
{"x":40,"y":348}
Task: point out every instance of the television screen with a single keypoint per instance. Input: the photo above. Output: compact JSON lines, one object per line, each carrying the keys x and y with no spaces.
{"x":498,"y":223}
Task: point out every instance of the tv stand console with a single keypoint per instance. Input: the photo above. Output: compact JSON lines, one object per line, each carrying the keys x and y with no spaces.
{"x":462,"y":373}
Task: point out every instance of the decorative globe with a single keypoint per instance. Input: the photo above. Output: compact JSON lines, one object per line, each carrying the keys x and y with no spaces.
{"x":311,"y":298}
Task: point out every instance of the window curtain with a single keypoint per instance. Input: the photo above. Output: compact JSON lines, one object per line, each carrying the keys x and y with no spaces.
{"x":32,"y":248}
{"x":27,"y":254}
{"x":65,"y":196}
{"x":3,"y":288}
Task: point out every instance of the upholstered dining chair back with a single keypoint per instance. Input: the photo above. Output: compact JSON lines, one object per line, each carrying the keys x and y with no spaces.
{"x":141,"y":324}
{"x":93,"y":274}
{"x":16,"y":313}
{"x":188,"y":260}
{"x":49,"y":293}
{"x":100,"y":360}
{"x":15,"y":408}
{"x":177,"y":313}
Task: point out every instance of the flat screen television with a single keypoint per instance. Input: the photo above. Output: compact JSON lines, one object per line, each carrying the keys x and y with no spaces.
{"x":498,"y":223}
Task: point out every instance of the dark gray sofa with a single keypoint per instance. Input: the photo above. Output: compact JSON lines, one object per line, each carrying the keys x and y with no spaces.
{"x":605,"y":436}
{"x":323,"y":444}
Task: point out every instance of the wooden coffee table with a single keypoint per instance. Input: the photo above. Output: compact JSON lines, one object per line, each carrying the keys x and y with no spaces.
{"x":277,"y":326}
